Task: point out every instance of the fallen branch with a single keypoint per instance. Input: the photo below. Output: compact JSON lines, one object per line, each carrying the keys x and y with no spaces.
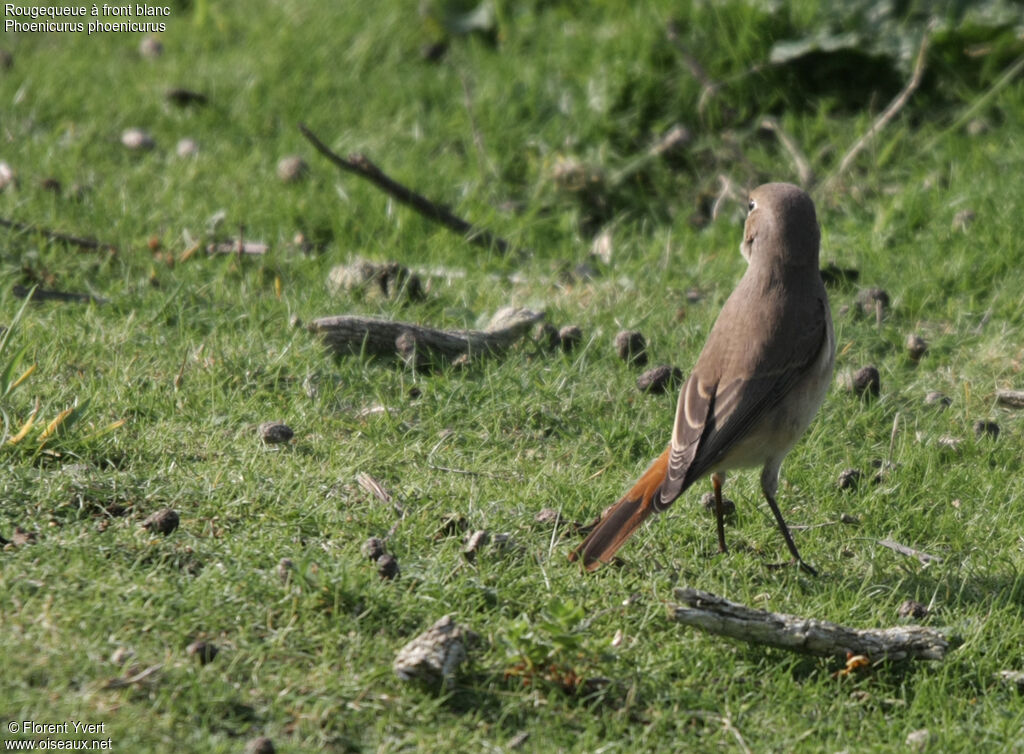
{"x":805,"y":635}
{"x":347,"y":335}
{"x":82,"y":243}
{"x":889,"y":113}
{"x":1010,"y":398}
{"x":361,"y":165}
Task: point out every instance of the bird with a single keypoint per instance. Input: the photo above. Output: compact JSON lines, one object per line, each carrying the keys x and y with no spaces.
{"x":757,"y":384}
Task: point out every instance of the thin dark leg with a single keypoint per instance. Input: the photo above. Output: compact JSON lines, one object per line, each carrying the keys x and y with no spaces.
{"x":716,"y":483}
{"x":786,"y":535}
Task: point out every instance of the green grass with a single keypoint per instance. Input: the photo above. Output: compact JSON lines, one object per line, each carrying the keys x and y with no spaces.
{"x":194,"y":355}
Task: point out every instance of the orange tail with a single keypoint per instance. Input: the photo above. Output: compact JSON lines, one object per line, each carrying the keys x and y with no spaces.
{"x":619,"y":522}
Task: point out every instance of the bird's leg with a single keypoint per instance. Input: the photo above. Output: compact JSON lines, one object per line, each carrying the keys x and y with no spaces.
{"x":717,"y":480}
{"x":769,"y":485}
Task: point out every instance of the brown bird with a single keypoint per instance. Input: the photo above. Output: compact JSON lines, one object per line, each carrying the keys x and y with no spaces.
{"x":758,"y":383}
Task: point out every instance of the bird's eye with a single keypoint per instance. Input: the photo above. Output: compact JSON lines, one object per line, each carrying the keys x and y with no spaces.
{"x":752,"y":205}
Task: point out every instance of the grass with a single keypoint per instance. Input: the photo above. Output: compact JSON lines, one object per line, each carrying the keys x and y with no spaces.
{"x":194,"y":354}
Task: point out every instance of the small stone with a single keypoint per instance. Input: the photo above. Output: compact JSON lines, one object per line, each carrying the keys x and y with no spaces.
{"x":918,"y":739}
{"x":151,"y":48}
{"x":659,"y":379}
{"x":122,"y":655}
{"x":545,"y":335}
{"x":986,"y":429}
{"x":22,"y":537}
{"x":935,"y":397}
{"x":136,"y":139}
{"x":569,"y":337}
{"x":474,"y":543}
{"x":274,"y":432}
{"x":631,"y":346}
{"x":373,"y":548}
{"x":186,"y":148}
{"x":962,"y":220}
{"x":285,"y":566}
{"x":977,"y":126}
{"x":292,"y":168}
{"x":916,"y":346}
{"x":387,"y":567}
{"x":203,"y":651}
{"x":388,"y":280}
{"x":849,"y":519}
{"x":7,"y":176}
{"x":435,"y":655}
{"x":708,"y":501}
{"x":849,"y":478}
{"x":259,"y":745}
{"x":164,"y":521}
{"x":911,"y":609}
{"x":866,"y":382}
{"x":548,"y":516}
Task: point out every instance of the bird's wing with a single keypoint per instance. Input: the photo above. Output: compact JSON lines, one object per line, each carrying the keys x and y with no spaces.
{"x":716,"y":410}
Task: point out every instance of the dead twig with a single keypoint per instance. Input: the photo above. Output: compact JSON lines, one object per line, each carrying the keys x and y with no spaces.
{"x":888,"y":114}
{"x":361,"y":165}
{"x":810,"y":636}
{"x":804,"y":172}
{"x":469,"y":472}
{"x":909,"y":551}
{"x":82,"y":243}
{"x":120,"y":683}
{"x":728,"y":192}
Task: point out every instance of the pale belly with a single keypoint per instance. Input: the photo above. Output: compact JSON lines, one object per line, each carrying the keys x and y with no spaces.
{"x":780,"y":429}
